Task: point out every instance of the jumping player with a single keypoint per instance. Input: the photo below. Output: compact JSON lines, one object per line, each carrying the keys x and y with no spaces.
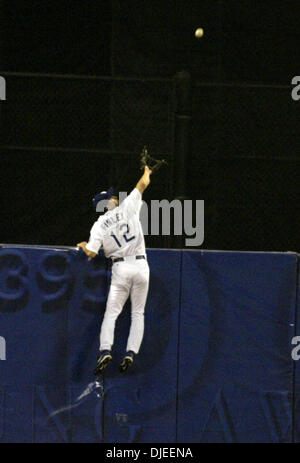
{"x":119,"y":232}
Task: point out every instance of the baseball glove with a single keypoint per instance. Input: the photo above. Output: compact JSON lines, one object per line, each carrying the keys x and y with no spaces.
{"x":147,"y":160}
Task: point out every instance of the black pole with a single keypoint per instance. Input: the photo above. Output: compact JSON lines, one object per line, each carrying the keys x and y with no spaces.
{"x":182,"y":120}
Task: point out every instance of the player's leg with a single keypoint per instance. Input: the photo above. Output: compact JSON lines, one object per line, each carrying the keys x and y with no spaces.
{"x":117,"y":297}
{"x":138,"y":297}
{"x":118,"y":294}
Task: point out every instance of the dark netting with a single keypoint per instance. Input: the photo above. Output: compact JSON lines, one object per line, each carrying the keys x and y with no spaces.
{"x":49,"y":200}
{"x":57,"y":112}
{"x":66,"y":138}
{"x":250,"y":173}
{"x":257,"y":122}
{"x":141,"y":114}
{"x":85,"y":113}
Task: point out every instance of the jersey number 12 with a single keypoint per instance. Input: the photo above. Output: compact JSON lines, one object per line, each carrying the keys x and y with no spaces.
{"x":126,"y":238}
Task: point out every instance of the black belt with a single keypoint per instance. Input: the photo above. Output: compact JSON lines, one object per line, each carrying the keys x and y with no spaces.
{"x":121,"y":259}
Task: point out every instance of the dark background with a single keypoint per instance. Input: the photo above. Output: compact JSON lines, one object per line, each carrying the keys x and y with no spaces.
{"x":89,"y":83}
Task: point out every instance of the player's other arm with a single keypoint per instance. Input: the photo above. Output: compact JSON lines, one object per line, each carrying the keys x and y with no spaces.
{"x":91,"y":248}
{"x":144,"y":181}
{"x":89,"y":253}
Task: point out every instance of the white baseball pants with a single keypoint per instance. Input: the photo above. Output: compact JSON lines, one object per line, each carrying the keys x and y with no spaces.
{"x":129,"y":277}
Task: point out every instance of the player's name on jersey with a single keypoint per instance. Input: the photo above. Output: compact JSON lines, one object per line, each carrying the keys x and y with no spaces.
{"x":109,"y":221}
{"x":152,"y":452}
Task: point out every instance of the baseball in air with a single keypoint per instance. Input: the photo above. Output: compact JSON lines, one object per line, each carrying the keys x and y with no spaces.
{"x":199,"y":33}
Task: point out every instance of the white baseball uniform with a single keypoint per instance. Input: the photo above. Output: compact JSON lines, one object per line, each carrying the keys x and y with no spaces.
{"x":119,"y":232}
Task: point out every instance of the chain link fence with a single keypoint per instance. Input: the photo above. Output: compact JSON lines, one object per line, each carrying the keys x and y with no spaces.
{"x":66,"y":137}
{"x":69,"y":136}
{"x":247,"y":145}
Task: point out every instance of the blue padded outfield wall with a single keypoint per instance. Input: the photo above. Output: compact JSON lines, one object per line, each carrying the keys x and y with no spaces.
{"x":215,"y":363}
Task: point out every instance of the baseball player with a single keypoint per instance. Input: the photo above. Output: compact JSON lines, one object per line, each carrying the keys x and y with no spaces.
{"x":119,"y":232}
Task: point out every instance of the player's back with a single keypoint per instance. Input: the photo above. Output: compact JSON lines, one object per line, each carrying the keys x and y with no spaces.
{"x":121,"y":230}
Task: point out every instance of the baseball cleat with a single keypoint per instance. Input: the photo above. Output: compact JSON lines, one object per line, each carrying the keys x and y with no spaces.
{"x":127,"y":361}
{"x":102,"y":362}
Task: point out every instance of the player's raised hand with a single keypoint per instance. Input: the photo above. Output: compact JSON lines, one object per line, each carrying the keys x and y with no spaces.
{"x":144,"y":181}
{"x":148,"y":170}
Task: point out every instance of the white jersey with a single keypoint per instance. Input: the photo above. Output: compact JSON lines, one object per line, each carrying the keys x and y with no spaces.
{"x":119,"y":231}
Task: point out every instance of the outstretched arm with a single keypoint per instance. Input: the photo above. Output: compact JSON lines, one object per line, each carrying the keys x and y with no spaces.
{"x":90,"y":254}
{"x":91,"y":248}
{"x":144,"y":181}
